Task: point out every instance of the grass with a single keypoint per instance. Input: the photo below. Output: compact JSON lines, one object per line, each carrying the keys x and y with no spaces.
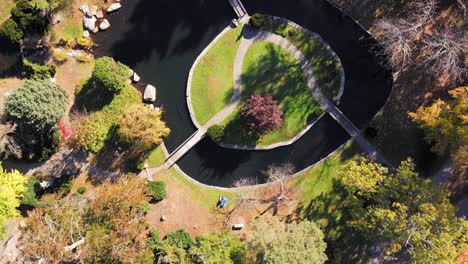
{"x":6,"y":6}
{"x":324,"y":65}
{"x":212,"y":82}
{"x":270,"y":70}
{"x":156,"y":157}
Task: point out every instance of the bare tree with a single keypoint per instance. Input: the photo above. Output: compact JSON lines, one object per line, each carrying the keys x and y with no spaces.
{"x":446,"y":53}
{"x":277,"y":174}
{"x":8,"y":145}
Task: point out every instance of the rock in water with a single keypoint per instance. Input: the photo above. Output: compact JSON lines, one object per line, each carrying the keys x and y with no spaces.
{"x":89,"y":23}
{"x":135,"y":77}
{"x":150,"y":93}
{"x":113,"y":7}
{"x":104,"y":25}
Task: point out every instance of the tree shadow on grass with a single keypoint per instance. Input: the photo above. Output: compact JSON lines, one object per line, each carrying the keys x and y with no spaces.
{"x":91,"y":97}
{"x":236,"y":132}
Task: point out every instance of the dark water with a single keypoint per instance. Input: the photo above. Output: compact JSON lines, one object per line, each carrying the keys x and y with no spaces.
{"x":160,"y":40}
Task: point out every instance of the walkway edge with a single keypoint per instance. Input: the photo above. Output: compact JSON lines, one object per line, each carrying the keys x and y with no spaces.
{"x":192,"y":70}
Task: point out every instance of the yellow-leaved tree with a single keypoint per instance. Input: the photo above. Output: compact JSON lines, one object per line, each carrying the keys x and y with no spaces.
{"x":12,"y":187}
{"x":142,"y":127}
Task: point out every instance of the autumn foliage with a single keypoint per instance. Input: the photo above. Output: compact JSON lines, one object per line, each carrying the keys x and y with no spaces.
{"x":261,"y":114}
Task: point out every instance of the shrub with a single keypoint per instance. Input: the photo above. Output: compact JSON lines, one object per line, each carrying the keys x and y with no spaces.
{"x":38,"y":104}
{"x":29,"y":195}
{"x":153,"y":238}
{"x":59,"y":55}
{"x":51,"y":144}
{"x":157,"y":190}
{"x":36,"y":71}
{"x":258,"y":20}
{"x":110,"y":75}
{"x":84,"y":58}
{"x":142,"y":127}
{"x":66,"y":41}
{"x":81,"y":190}
{"x":216,"y":132}
{"x":180,"y":239}
{"x":84,"y":43}
{"x":9,"y":30}
{"x":261,"y":114}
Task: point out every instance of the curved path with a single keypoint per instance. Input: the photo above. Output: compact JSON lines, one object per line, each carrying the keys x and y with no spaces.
{"x":249,"y":37}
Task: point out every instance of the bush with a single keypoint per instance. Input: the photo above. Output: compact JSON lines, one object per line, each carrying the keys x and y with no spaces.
{"x":157,"y":190}
{"x":84,"y":43}
{"x":59,"y":55}
{"x":261,"y":114}
{"x":10,"y":31}
{"x":81,"y":190}
{"x":180,"y":239}
{"x":153,"y":239}
{"x":258,"y":20}
{"x":84,"y":58}
{"x":36,"y":71}
{"x":110,"y":75}
{"x":216,"y":132}
{"x":30,"y":195}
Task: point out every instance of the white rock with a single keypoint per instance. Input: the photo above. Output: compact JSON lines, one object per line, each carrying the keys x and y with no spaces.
{"x":150,"y":93}
{"x":22,"y":224}
{"x":113,"y":7}
{"x":85,"y":9}
{"x":46,"y":184}
{"x":135,"y":77}
{"x":130,"y":73}
{"x":89,"y":23}
{"x":57,"y":18}
{"x":85,"y":34}
{"x":93,"y":10}
{"x":151,"y":106}
{"x":99,"y":14}
{"x":95,"y":30}
{"x":104,"y":25}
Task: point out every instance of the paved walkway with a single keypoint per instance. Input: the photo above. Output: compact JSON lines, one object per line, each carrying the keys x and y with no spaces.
{"x":250,"y":36}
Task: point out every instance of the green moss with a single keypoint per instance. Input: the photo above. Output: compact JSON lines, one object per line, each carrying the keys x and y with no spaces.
{"x":212,"y":81}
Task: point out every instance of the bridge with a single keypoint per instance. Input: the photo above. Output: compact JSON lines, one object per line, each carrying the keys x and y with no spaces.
{"x":238,"y":8}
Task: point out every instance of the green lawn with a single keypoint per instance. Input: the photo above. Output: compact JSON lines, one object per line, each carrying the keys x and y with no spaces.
{"x":156,"y":157}
{"x":325,"y":67}
{"x":270,"y":70}
{"x":212,"y":81}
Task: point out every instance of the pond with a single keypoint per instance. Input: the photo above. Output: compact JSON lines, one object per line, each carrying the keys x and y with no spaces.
{"x":160,"y":40}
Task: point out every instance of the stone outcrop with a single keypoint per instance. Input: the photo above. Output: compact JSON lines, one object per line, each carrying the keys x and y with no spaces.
{"x":104,"y":25}
{"x":89,"y":23}
{"x":113,"y":7}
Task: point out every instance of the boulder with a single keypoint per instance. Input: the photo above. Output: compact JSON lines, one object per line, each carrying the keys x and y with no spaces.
{"x":104,"y":24}
{"x":56,"y":18}
{"x":99,"y":14}
{"x":89,"y":23}
{"x":85,"y":9}
{"x":130,"y":73}
{"x":114,"y":7}
{"x":150,"y":93}
{"x":85,"y":34}
{"x":95,"y":30}
{"x":135,"y":77}
{"x":93,"y":10}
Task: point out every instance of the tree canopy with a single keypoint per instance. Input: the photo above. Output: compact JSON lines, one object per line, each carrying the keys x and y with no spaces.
{"x":12,"y":187}
{"x":142,"y":127}
{"x":261,"y":114}
{"x":410,"y":211}
{"x":38,"y":104}
{"x":274,"y":242}
{"x":109,"y":75}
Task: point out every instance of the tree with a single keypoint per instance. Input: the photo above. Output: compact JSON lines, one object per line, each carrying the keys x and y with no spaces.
{"x":217,"y":248}
{"x":38,"y":105}
{"x":216,"y":132}
{"x":31,"y":16}
{"x":261,"y":114}
{"x":12,"y":187}
{"x":407,"y":210}
{"x":274,"y":242}
{"x":444,"y":123}
{"x":363,"y":178}
{"x":10,"y":31}
{"x":157,"y":190}
{"x":109,"y":75}
{"x":142,"y":127}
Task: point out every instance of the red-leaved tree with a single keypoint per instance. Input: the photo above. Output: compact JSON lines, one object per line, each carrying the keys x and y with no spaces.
{"x":261,"y":114}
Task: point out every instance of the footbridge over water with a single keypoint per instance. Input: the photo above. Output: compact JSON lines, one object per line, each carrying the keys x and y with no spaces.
{"x":238,"y":8}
